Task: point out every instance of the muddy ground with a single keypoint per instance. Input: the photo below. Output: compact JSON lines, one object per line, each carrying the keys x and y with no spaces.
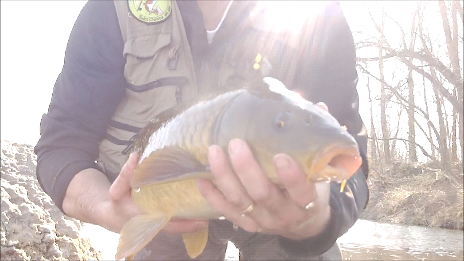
{"x":32,"y":227}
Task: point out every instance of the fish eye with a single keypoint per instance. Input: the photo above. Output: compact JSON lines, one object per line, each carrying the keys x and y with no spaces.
{"x":282,"y":119}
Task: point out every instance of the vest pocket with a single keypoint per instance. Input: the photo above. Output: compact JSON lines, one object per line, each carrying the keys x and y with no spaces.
{"x":147,"y":58}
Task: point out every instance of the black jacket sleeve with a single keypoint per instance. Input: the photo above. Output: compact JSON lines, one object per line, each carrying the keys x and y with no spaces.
{"x":330,"y":76}
{"x":85,"y":95}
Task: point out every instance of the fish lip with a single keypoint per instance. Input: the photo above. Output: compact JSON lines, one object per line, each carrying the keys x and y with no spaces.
{"x":321,"y":170}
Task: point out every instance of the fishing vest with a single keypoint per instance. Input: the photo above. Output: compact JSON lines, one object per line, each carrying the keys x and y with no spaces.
{"x":160,"y":70}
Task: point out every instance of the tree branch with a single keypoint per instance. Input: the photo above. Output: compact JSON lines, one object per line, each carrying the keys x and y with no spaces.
{"x":451,"y":98}
{"x":444,"y":70}
{"x":458,"y":7}
{"x":401,"y":98}
{"x":432,"y":61}
{"x":416,"y":144}
{"x":373,"y":59}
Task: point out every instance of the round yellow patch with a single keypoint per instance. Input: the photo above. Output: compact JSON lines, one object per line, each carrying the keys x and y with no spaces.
{"x":150,"y":11}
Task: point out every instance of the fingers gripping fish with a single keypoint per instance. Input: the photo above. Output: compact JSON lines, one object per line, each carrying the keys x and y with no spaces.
{"x":174,"y":149}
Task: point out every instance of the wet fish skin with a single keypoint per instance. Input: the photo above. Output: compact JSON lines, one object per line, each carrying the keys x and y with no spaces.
{"x":174,"y":149}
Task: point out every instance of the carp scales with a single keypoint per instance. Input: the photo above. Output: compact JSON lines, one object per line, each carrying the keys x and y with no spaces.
{"x":173,"y":151}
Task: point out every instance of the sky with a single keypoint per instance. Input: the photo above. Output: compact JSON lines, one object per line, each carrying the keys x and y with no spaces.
{"x":34,"y":35}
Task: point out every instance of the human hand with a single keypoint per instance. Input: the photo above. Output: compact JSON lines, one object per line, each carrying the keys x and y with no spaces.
{"x":123,"y":207}
{"x":244,"y":195}
{"x":243,"y":185}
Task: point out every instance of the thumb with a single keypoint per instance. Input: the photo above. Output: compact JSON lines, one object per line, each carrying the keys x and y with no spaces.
{"x":121,"y":186}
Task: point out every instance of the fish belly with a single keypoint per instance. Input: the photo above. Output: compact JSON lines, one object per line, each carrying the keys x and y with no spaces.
{"x":181,"y":199}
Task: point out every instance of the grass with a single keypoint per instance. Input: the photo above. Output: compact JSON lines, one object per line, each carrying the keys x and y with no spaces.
{"x":417,"y":194}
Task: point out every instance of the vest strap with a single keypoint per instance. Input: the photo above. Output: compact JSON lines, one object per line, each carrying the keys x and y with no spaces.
{"x":123,"y":126}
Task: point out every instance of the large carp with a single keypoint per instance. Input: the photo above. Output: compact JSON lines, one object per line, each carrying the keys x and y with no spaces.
{"x":174,"y":149}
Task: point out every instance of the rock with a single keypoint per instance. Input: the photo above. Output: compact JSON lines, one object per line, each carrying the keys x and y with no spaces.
{"x":32,"y":227}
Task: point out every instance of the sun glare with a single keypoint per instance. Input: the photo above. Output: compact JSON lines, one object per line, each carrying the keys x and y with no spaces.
{"x":287,"y":14}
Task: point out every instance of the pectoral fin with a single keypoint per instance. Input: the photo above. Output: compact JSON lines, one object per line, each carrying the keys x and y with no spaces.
{"x":195,"y":242}
{"x":167,"y":165}
{"x":138,"y":232}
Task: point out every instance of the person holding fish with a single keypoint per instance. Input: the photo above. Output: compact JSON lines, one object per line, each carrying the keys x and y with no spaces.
{"x":191,"y":127}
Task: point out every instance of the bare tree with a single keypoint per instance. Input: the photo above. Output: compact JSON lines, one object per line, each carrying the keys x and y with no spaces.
{"x":439,"y":69}
{"x":442,"y":144}
{"x":383,"y":104}
{"x":453,"y":54}
{"x":432,"y":145}
{"x":403,"y":103}
{"x":411,"y":103}
{"x":373,"y":136}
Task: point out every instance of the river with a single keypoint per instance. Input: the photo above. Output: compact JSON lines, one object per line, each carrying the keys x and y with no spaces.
{"x":366,"y":240}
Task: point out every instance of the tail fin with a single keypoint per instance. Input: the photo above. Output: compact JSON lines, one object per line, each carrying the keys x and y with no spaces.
{"x":138,"y":232}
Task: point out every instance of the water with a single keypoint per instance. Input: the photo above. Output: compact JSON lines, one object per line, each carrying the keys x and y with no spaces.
{"x":366,"y":240}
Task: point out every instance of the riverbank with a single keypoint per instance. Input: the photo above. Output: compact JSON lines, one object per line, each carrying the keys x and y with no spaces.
{"x":32,"y":227}
{"x":417,"y":194}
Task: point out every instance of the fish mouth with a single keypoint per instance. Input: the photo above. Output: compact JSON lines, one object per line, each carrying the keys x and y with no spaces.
{"x":337,"y":163}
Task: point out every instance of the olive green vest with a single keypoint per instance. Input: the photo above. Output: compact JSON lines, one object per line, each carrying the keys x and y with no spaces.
{"x":160,"y":70}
